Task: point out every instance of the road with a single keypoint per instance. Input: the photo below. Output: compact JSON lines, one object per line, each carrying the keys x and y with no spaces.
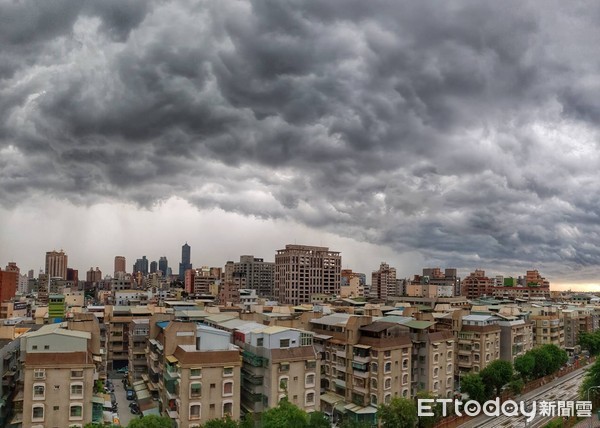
{"x":564,"y":389}
{"x":124,"y":413}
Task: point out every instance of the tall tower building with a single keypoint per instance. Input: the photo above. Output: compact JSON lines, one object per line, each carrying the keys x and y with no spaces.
{"x":141,"y":265}
{"x":93,"y":275}
{"x":383,"y":282}
{"x":163,"y":265}
{"x":153,"y":266}
{"x":56,"y":264}
{"x":119,"y":264}
{"x":259,"y":275}
{"x":186,"y":258}
{"x":302,"y":270}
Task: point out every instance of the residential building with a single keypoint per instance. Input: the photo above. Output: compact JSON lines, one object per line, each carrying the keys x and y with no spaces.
{"x":278,"y":362}
{"x":301,"y":271}
{"x":119,"y":265}
{"x":478,"y":342}
{"x":56,"y":307}
{"x":383,"y":282}
{"x":258,"y":274}
{"x":56,"y":264}
{"x":516,"y":337}
{"x":139,"y":329}
{"x":548,"y":325}
{"x":477,"y":284}
{"x":8,"y":284}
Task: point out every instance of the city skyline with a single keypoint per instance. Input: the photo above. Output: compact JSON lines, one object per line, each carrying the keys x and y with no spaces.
{"x":419,"y":134}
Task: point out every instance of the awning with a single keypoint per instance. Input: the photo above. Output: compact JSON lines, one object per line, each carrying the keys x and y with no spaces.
{"x":152,"y":411}
{"x":331,"y":398}
{"x":322,"y":336}
{"x":171,"y":359}
{"x":144,"y":393}
{"x":354,"y":408}
{"x":361,"y":346}
{"x":98,"y":400}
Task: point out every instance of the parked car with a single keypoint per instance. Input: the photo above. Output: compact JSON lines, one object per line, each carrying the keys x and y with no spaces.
{"x":123,"y":370}
{"x":130,"y":394}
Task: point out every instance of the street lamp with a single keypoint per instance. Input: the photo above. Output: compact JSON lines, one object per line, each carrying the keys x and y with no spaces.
{"x":588,"y":399}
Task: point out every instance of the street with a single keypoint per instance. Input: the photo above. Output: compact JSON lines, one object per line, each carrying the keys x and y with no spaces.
{"x":124,"y":412}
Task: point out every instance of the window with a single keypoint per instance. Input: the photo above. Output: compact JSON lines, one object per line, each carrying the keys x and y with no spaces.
{"x":436,"y":357}
{"x":310,"y":364}
{"x":283,"y":383}
{"x":194,"y":411}
{"x":373,"y":383}
{"x":34,"y":347}
{"x":405,"y":392}
{"x":227,"y":388}
{"x":310,"y":399}
{"x":76,"y":411}
{"x":39,"y":391}
{"x":449,"y":355}
{"x":387,"y":398}
{"x":195,"y":372}
{"x":228,"y":371}
{"x":46,"y":347}
{"x":195,"y":389}
{"x":436,"y":385}
{"x":373,"y":400}
{"x":387,"y":354}
{"x":388,"y":367}
{"x":310,"y":380}
{"x":387,"y":383}
{"x":404,"y":379}
{"x":77,"y":390}
{"x":39,"y":374}
{"x":374,"y":367}
{"x":435,"y":372}
{"x":37,"y":413}
{"x":306,"y":339}
{"x":449,"y":382}
{"x":284,"y":367}
{"x":228,"y":408}
{"x":259,"y":341}
{"x":76,"y":374}
{"x":405,"y":363}
{"x":284,"y":343}
{"x":374,"y":353}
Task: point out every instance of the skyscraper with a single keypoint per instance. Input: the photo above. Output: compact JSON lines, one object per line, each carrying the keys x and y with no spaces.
{"x":186,"y":254}
{"x":141,"y":265}
{"x":119,"y":264}
{"x":302,"y":270}
{"x":56,"y":264}
{"x":163,"y":265}
{"x":258,"y":274}
{"x":153,"y":266}
{"x":383,"y":282}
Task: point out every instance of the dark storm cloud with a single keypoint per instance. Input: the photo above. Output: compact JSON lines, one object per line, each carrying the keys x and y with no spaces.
{"x":464,"y":130}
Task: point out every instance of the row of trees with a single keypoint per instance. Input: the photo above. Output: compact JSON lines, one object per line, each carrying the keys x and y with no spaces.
{"x":590,"y":342}
{"x":534,"y":364}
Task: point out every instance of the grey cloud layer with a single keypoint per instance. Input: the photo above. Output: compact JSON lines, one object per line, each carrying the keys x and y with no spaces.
{"x":465,"y":130}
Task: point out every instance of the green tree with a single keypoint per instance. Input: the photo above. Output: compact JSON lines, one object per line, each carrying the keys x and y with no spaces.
{"x":516,"y":386}
{"x":349,"y":423}
{"x":151,"y":421}
{"x":558,"y":357}
{"x":225,"y":422}
{"x":497,"y":374}
{"x":473,"y":385}
{"x":285,"y":415}
{"x":543,"y":361}
{"x":318,"y":420}
{"x":525,"y":365}
{"x":590,"y":341}
{"x":400,"y":413}
{"x":591,"y":379}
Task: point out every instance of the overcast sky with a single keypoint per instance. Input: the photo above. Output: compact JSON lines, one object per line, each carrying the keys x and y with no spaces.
{"x":421,"y":133}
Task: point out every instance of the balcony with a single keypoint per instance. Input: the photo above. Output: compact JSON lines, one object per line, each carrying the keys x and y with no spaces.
{"x":340,"y":354}
{"x":361,"y":359}
{"x":361,"y":374}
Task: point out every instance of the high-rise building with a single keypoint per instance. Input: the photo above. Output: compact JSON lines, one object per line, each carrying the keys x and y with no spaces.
{"x":477,"y":284}
{"x":258,"y":273}
{"x":119,"y":264}
{"x":186,"y":260}
{"x":163,"y":265}
{"x":383,"y":282}
{"x":8,"y":284}
{"x":30,"y":274}
{"x":153,"y":266}
{"x":56,"y":264}
{"x":93,"y":275}
{"x":141,"y":265}
{"x":302,"y":270}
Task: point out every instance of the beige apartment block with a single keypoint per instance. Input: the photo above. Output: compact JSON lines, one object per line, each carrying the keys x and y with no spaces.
{"x":516,"y":338}
{"x":548,"y":325}
{"x":478,"y":343}
{"x":433,"y":359}
{"x":59,"y":374}
{"x":364,"y":364}
{"x":278,"y":362}
{"x":196,"y":371}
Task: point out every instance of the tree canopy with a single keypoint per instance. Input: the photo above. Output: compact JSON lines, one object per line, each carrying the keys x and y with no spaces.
{"x":400,"y":413}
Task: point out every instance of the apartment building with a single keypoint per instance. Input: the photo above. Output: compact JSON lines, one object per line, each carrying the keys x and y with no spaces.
{"x":477,"y":284}
{"x":278,"y":362}
{"x":516,"y":337}
{"x":433,"y":283}
{"x":576,"y":321}
{"x":478,"y":342}
{"x":383,"y":282}
{"x":257,"y":274}
{"x":59,"y":374}
{"x":196,"y":370}
{"x":548,"y":325}
{"x":302,"y":271}
{"x":364,"y":364}
{"x":138,"y":336}
{"x":433,"y":359}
